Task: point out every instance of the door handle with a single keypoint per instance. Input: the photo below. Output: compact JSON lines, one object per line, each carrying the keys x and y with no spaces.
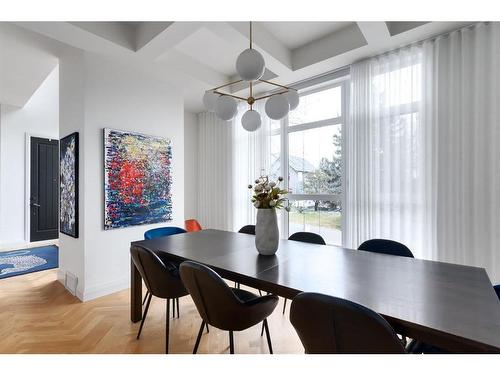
{"x":35,"y":204}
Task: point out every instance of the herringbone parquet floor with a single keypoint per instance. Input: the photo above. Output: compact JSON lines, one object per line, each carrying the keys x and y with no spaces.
{"x":37,"y":315}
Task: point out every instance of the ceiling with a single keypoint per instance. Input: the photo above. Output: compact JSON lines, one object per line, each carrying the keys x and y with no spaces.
{"x":196,"y":56}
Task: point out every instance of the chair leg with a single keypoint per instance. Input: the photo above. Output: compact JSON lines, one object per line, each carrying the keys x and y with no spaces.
{"x":207,"y":328}
{"x":177,"y":307}
{"x":268,"y":337}
{"x":144,"y":316}
{"x":284,"y":306}
{"x":145,"y":297}
{"x":262,"y":330}
{"x":231,"y":343}
{"x":167,"y":327}
{"x":173,"y":308}
{"x":260,"y":292}
{"x":199,"y":337}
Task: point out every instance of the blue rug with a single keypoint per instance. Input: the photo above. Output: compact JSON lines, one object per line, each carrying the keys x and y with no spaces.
{"x":20,"y":262}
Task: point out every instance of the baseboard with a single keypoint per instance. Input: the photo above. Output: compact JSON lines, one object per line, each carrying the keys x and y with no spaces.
{"x":104,"y":289}
{"x":26,"y":245}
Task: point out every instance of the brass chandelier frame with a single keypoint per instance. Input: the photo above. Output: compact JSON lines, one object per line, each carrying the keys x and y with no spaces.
{"x":251,"y":99}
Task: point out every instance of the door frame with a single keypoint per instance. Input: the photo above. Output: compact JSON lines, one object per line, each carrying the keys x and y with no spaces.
{"x":27,"y":185}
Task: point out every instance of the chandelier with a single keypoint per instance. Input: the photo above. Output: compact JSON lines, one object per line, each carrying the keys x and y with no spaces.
{"x":250,"y":66}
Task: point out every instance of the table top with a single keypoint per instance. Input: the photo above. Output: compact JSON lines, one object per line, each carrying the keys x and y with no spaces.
{"x":446,"y":304}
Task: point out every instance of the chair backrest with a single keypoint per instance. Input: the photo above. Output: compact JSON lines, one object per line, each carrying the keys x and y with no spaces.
{"x":248,"y":229}
{"x":341,"y":326}
{"x":497,"y":290}
{"x":192,"y":225}
{"x":389,"y":247}
{"x":217,"y":304}
{"x":161,"y":278}
{"x":307,"y":237}
{"x":162,"y":232}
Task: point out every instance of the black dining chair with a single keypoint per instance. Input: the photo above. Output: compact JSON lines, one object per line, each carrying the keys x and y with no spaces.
{"x":308,"y":237}
{"x":247,"y":229}
{"x":330,"y":325}
{"x":389,"y":247}
{"x":420,"y":347}
{"x":162,"y":280}
{"x":226,"y":308}
{"x":163,"y":232}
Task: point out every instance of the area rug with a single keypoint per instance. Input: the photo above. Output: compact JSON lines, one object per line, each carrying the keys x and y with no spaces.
{"x":20,"y":262}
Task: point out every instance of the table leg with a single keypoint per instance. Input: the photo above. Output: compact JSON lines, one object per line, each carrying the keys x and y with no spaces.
{"x":135,"y":293}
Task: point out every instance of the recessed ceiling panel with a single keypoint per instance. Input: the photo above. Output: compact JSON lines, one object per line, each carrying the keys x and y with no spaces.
{"x":211,"y":50}
{"x":298,"y":34}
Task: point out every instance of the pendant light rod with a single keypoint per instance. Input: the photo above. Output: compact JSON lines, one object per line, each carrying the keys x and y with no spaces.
{"x":250,"y":34}
{"x":231,"y":95}
{"x":275,"y":84}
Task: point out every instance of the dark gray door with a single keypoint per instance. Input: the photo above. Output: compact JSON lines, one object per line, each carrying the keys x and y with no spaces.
{"x":44,"y":190}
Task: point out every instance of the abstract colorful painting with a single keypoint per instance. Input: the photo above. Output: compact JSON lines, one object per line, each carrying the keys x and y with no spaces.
{"x":68,"y":185}
{"x":137,"y":179}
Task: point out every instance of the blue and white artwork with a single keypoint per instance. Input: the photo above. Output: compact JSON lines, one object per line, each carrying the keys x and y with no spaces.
{"x":68,"y":192}
{"x":137,"y":179}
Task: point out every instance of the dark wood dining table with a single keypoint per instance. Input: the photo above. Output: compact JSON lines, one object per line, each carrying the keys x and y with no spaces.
{"x":448,"y":305}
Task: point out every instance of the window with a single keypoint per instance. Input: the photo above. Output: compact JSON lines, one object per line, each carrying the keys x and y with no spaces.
{"x":308,"y":146}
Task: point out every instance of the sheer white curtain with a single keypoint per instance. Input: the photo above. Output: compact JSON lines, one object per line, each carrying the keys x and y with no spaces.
{"x":422,"y":162}
{"x":215,"y":172}
{"x":230,"y":158}
{"x":251,"y":158}
{"x":386,"y":177}
{"x":462,"y":91}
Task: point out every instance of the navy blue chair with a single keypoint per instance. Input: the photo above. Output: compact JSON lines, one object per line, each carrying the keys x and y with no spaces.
{"x":308,"y":237}
{"x":388,"y":247}
{"x":330,"y":325}
{"x":247,"y":229}
{"x":497,"y":290}
{"x":163,"y":232}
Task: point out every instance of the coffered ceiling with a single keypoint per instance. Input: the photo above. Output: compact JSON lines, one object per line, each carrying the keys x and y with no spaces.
{"x":195,"y":56}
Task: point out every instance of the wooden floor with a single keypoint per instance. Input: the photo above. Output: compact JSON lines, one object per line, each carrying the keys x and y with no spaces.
{"x":37,"y":315}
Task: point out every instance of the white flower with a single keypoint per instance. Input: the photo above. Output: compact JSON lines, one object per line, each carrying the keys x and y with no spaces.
{"x":258,"y":188}
{"x":272,"y":203}
{"x":272,"y":184}
{"x":268,"y":187}
{"x":256,"y":204}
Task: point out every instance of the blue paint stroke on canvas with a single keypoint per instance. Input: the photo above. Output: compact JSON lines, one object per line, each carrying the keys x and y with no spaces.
{"x":138,"y":179}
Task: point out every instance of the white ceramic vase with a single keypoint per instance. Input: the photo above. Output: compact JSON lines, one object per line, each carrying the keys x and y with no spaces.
{"x":266,"y":231}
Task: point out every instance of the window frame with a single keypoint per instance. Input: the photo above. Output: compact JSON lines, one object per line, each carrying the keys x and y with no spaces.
{"x":285,"y":130}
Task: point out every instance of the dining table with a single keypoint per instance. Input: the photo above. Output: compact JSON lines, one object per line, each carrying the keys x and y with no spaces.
{"x":451,"y":306}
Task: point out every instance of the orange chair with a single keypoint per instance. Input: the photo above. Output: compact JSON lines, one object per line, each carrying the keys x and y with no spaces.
{"x":192,"y":225}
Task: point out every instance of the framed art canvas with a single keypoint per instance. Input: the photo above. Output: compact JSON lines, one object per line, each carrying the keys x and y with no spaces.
{"x":68,"y":185}
{"x":137,"y":179}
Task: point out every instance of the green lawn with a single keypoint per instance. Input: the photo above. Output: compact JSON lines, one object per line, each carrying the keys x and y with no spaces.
{"x":326,"y":219}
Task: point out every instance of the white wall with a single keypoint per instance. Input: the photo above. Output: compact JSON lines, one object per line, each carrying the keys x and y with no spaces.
{"x":40,"y":117}
{"x":190,"y":165}
{"x":113,"y":96}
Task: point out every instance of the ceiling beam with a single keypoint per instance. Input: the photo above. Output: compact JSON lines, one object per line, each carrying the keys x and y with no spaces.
{"x":278,"y":58}
{"x":374,"y":32}
{"x":166,"y":39}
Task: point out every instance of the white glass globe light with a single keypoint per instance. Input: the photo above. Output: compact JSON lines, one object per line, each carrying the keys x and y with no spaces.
{"x":250,"y":65}
{"x":293,"y":98}
{"x":277,"y":107}
{"x":251,"y":120}
{"x":209,"y":100}
{"x":225,"y":107}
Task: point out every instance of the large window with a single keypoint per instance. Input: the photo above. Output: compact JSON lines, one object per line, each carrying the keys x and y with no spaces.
{"x":307,"y":148}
